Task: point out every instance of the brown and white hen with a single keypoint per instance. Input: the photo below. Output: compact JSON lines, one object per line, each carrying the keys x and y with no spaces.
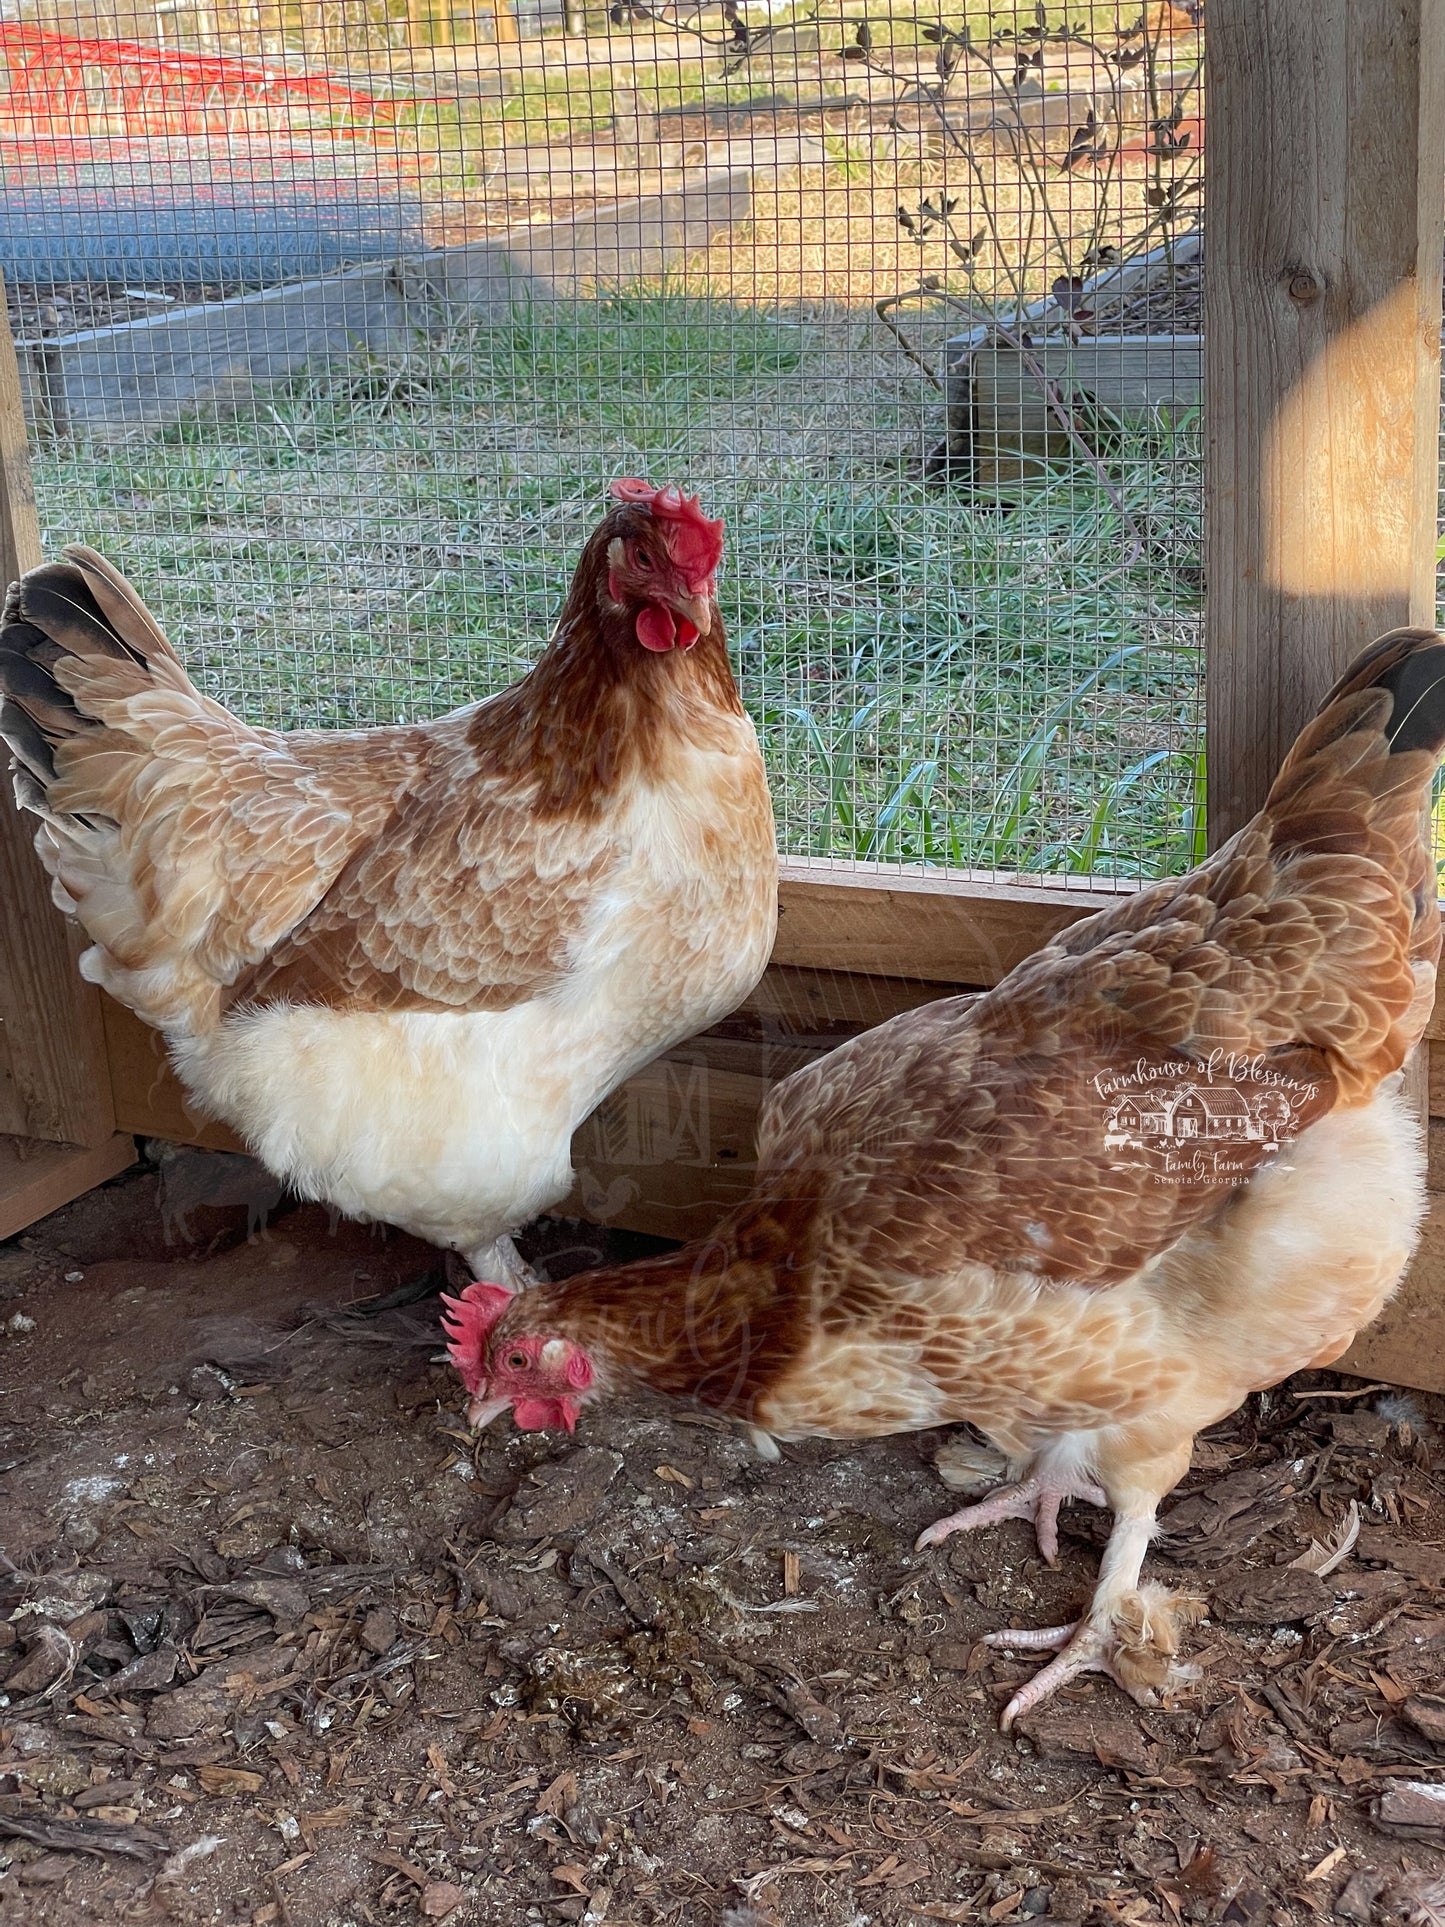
{"x":405,"y":963}
{"x":1164,"y":1163}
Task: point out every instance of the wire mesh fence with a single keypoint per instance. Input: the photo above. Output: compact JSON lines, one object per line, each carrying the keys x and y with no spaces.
{"x":335,"y":321}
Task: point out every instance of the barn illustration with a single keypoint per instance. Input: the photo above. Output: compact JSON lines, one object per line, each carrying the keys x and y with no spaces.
{"x":1197,"y":1114}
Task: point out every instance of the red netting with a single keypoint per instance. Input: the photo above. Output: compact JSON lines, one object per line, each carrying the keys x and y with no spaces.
{"x":65,"y":90}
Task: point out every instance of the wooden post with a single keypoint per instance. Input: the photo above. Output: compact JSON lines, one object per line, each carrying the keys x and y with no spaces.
{"x":505,"y":31}
{"x":54,"y":1079}
{"x":1325,"y":208}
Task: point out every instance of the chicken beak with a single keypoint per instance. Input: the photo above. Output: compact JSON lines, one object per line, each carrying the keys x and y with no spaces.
{"x":698,"y":611}
{"x":481,"y":1411}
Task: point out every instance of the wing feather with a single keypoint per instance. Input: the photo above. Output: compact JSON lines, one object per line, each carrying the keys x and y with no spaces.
{"x":978,"y":1129}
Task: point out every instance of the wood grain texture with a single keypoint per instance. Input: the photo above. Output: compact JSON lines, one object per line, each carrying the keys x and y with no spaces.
{"x":37,"y":1178}
{"x":897,"y":920}
{"x":670,"y":1151}
{"x":1325,"y":183}
{"x":54,"y":1084}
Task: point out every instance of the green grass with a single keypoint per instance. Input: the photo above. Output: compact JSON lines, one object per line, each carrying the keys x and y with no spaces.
{"x":932,"y":681}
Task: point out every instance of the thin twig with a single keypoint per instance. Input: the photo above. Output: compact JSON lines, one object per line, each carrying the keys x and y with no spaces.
{"x":1070,"y":427}
{"x":880,"y":308}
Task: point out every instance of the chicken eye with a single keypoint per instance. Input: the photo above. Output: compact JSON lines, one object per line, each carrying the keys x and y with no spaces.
{"x":517,"y":1362}
{"x":643,"y":559}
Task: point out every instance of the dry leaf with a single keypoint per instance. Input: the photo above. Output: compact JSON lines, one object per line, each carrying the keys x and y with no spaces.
{"x":440,"y":1898}
{"x":559,"y":1796}
{"x":673,"y":1476}
{"x":437,"y":1761}
{"x":384,"y":1857}
{"x":330,"y":1817}
{"x":570,"y":1875}
{"x":881,"y":1872}
{"x":229,"y":1779}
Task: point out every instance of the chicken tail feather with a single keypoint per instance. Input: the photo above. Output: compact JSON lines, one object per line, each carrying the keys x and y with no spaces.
{"x":67,"y":627}
{"x":1409,"y":665}
{"x":90,"y":691}
{"x":1355,"y":792}
{"x":1367,"y":760}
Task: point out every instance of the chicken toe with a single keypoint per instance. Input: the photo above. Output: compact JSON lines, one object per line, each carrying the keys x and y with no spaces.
{"x":1037,"y":1498}
{"x":1135,"y":1642}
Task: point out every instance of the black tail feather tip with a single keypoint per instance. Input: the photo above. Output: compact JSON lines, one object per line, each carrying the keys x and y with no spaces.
{"x":26,"y":742}
{"x":1417,"y":684}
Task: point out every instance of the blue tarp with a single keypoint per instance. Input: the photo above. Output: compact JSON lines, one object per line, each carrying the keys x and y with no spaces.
{"x":233,"y":242}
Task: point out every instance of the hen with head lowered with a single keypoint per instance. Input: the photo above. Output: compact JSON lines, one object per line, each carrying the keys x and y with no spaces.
{"x":1166,"y":1162}
{"x":405,"y":963}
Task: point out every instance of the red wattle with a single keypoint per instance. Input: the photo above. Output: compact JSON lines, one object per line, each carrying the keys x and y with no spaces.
{"x":543,"y":1414}
{"x":657,"y":627}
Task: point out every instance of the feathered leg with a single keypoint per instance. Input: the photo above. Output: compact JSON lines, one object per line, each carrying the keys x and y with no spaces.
{"x":500,"y":1263}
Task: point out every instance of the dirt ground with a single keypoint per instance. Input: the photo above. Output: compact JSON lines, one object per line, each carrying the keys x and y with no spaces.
{"x":283,"y":1645}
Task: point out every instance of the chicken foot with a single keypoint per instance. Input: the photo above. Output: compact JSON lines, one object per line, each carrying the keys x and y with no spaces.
{"x":1131,"y":1632}
{"x":1037,"y":1498}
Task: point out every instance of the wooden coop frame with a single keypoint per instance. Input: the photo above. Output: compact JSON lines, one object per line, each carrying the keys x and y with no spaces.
{"x":1325,"y":188}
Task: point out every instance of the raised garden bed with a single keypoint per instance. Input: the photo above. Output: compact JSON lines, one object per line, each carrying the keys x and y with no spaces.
{"x":1004,"y":429}
{"x":144,"y":373}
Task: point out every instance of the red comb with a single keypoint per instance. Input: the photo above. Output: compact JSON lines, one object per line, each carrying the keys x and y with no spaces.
{"x":468,"y":1321}
{"x":696,"y":544}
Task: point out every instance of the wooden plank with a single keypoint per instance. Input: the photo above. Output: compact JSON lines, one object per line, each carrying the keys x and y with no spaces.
{"x":1019,"y":433}
{"x":822,"y":1007}
{"x":1325,"y":184}
{"x":856,"y":945}
{"x":53,"y":1079}
{"x":668,"y":1152}
{"x":150,"y":1099}
{"x":899,"y":920}
{"x":1417,"y":1082}
{"x":37,"y":1178}
{"x":153,"y":370}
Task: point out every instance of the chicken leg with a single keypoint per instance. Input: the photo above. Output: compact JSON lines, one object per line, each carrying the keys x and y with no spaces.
{"x":500,"y":1263}
{"x":1131,"y":1632}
